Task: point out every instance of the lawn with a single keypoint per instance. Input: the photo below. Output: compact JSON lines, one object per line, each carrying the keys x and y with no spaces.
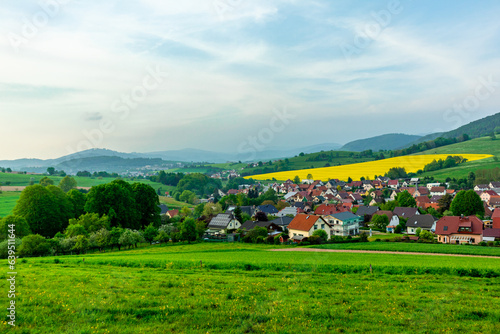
{"x":173,"y":204}
{"x":8,"y":200}
{"x":246,"y":289}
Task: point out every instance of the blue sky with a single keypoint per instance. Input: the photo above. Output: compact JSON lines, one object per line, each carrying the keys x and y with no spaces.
{"x":157,"y":75}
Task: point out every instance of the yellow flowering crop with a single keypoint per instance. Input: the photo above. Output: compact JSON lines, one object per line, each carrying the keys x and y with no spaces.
{"x":412,"y":163}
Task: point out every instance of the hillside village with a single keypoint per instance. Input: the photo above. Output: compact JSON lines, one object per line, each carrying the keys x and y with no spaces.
{"x":346,"y":210}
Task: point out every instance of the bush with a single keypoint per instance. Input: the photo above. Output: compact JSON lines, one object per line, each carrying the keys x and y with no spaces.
{"x":4,"y":253}
{"x":491,"y":243}
{"x":34,"y":245}
{"x":482,"y":243}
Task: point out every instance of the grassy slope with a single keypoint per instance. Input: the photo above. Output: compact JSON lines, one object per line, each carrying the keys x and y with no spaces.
{"x":173,"y":204}
{"x":479,"y":145}
{"x":24,"y":180}
{"x":120,"y":293}
{"x":8,"y":200}
{"x":299,"y":162}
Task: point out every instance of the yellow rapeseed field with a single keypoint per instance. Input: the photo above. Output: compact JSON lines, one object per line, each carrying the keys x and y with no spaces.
{"x":412,"y":163}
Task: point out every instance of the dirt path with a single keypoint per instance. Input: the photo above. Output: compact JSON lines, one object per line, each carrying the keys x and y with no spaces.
{"x":375,"y":252}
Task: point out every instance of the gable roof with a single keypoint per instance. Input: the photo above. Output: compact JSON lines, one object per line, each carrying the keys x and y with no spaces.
{"x":404,"y":212}
{"x":282,"y":221}
{"x":422,"y":221}
{"x":343,"y":216}
{"x":389,"y":214}
{"x":303,"y":222}
{"x":163,"y":209}
{"x":367,"y":210}
{"x":450,"y":224}
{"x":438,"y":189}
{"x":221,"y":220}
{"x":268,"y":208}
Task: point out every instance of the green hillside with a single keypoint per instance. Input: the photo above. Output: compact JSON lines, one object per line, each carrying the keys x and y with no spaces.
{"x":8,"y":200}
{"x":385,"y":142}
{"x":479,"y":145}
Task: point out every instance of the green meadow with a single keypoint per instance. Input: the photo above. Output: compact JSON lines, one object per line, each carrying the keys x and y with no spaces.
{"x":8,"y":200}
{"x":241,"y":288}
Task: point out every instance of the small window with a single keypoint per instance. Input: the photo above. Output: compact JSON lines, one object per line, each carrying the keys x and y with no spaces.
{"x":323,"y":226}
{"x":445,"y":228}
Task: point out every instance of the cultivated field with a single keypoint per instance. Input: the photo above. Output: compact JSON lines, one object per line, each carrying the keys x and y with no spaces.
{"x":411,"y":163}
{"x":240,"y":288}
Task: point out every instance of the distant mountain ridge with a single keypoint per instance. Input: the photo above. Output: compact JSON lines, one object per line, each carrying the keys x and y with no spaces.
{"x":389,"y":141}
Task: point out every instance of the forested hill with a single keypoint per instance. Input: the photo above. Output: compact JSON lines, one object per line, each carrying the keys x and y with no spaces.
{"x":389,"y":141}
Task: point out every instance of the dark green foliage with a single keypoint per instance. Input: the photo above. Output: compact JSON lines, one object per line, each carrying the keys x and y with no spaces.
{"x":405,"y":199}
{"x":34,"y":245}
{"x":450,"y":161}
{"x":187,"y":230}
{"x":198,"y":183}
{"x":147,"y":204}
{"x":321,"y":234}
{"x":255,"y":233}
{"x":77,"y":199}
{"x":169,"y":179}
{"x":46,"y":209}
{"x":467,"y":202}
{"x":150,"y":233}
{"x":444,"y":203}
{"x":379,"y":221}
{"x":115,"y":199}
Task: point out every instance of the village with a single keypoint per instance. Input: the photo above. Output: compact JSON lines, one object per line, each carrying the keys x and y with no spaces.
{"x":340,"y":209}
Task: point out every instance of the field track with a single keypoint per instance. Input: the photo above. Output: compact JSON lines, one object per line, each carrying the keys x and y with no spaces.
{"x":374,"y":252}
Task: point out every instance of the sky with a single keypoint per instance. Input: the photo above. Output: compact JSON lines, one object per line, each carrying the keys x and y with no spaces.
{"x":239,"y":75}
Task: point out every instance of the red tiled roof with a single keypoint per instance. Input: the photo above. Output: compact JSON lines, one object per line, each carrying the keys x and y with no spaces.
{"x":452,"y":223}
{"x":303,"y":222}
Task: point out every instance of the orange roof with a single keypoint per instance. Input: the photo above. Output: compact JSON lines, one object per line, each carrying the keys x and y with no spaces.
{"x":303,"y":222}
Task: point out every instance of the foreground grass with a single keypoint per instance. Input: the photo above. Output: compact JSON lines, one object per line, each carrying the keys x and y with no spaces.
{"x":8,"y":200}
{"x":285,"y":292}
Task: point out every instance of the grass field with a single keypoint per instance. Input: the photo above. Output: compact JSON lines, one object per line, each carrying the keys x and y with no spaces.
{"x":247,"y":289}
{"x":411,"y":163}
{"x":173,"y":204}
{"x":482,"y":145}
{"x":24,"y":180}
{"x":8,"y":200}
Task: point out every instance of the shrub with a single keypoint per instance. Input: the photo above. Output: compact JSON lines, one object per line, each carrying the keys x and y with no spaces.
{"x":4,"y":253}
{"x":34,"y":245}
{"x":491,"y":243}
{"x":482,"y":243}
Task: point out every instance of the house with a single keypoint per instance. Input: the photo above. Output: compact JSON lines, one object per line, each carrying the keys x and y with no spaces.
{"x":414,"y":181}
{"x":163,"y":209}
{"x":422,"y":200}
{"x":495,"y":186}
{"x":290,"y":210}
{"x":491,"y":234}
{"x":486,"y":195}
{"x":356,"y":197}
{"x":459,"y":230}
{"x":403,"y":212}
{"x":431,"y":185}
{"x":328,"y":209}
{"x":393,"y":219}
{"x":435,"y":191}
{"x":393,"y":184}
{"x":248,"y":209}
{"x":495,"y":217}
{"x":222,"y":223}
{"x":494,"y":202}
{"x":421,"y":191}
{"x":344,"y":223}
{"x":269,"y":225}
{"x":481,"y":187}
{"x":424,"y":222}
{"x":304,"y":225}
{"x":282,"y":221}
{"x":172,"y":213}
{"x":367,"y":212}
{"x":377,"y":200}
{"x":268,"y":209}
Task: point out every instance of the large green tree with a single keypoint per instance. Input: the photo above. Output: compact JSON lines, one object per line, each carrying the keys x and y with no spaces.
{"x":467,"y":202}
{"x":187,"y":230}
{"x":46,"y":209}
{"x":67,"y":183}
{"x":116,"y":200}
{"x":147,"y":202}
{"x":78,"y":200}
{"x":405,"y":199}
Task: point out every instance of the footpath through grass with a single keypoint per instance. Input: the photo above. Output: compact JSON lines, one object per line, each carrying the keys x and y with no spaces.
{"x":247,"y":289}
{"x":415,"y":248}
